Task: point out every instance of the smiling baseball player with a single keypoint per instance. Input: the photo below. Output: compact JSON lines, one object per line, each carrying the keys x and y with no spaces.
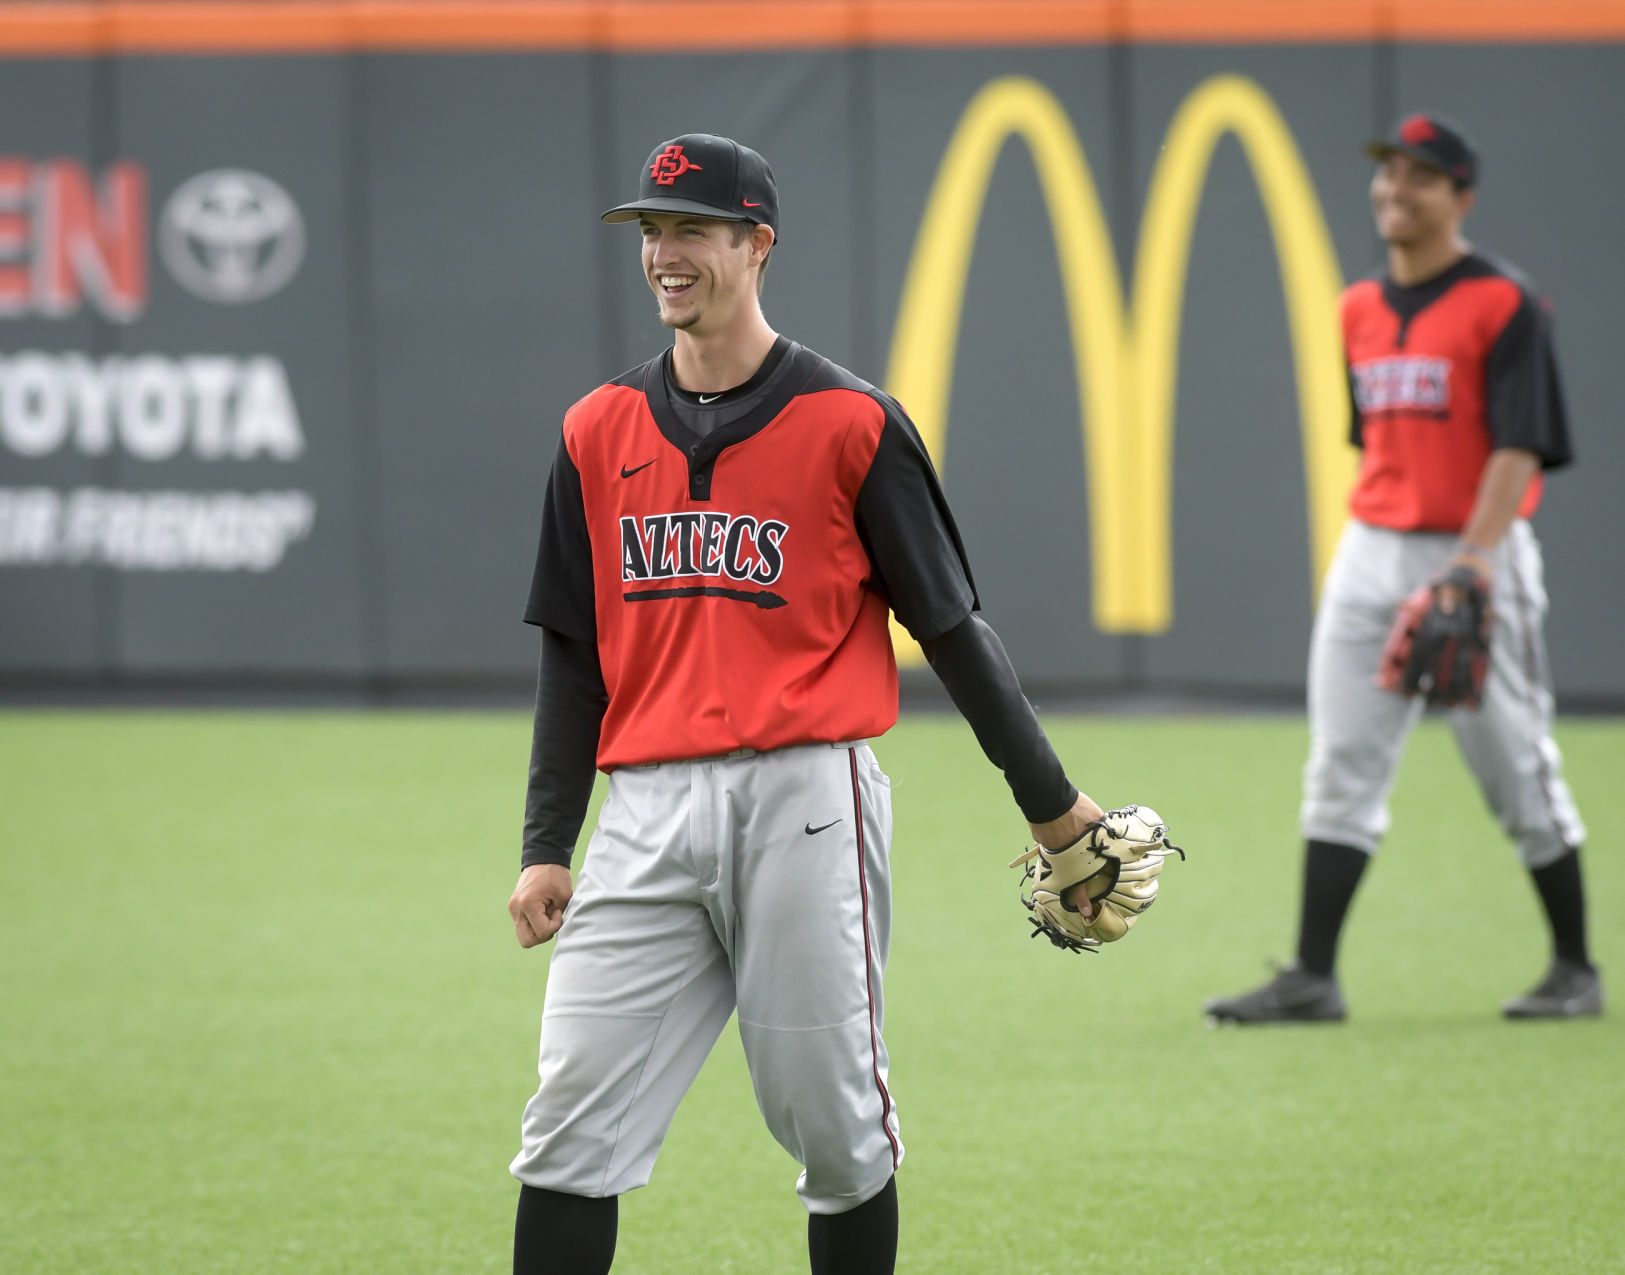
{"x":1458,"y":408}
{"x":723,"y":533}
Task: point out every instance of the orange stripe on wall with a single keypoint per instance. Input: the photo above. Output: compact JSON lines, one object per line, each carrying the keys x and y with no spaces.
{"x":664,"y":25}
{"x":654,"y":25}
{"x":69,"y":29}
{"x":1337,"y":21}
{"x":955,"y":23}
{"x":1448,"y":21}
{"x":1251,"y":21}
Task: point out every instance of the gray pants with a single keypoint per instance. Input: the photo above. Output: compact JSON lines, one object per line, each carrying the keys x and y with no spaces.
{"x":761,"y":882}
{"x":1358,"y":731}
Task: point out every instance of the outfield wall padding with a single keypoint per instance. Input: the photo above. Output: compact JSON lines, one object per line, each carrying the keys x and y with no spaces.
{"x":354,"y":460}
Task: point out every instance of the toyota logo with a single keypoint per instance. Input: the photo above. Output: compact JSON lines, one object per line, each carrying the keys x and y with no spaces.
{"x":232,"y":236}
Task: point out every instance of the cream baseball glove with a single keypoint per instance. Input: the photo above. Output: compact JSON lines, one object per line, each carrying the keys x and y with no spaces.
{"x":1116,"y":861}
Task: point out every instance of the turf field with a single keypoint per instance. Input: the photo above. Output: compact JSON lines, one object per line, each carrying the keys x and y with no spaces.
{"x":263,"y":1011}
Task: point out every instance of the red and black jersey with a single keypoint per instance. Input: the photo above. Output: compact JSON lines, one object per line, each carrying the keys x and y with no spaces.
{"x":736,"y":582}
{"x":1441,"y":374}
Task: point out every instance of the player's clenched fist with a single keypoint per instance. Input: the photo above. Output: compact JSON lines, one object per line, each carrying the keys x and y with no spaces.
{"x":537,"y":905}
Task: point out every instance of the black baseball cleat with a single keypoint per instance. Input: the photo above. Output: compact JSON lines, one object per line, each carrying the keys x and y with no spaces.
{"x":1567,"y":991}
{"x":1294,"y":995}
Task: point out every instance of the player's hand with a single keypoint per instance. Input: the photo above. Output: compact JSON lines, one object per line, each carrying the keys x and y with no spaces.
{"x":1450,"y":596}
{"x":537,"y":905}
{"x":1085,"y":895}
{"x":1063,"y":832}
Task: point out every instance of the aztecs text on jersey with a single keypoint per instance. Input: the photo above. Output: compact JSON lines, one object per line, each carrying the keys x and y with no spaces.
{"x":1441,"y":374}
{"x":728,"y":575}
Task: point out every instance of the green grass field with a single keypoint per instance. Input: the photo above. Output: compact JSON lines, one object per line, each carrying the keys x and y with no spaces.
{"x":263,"y":1011}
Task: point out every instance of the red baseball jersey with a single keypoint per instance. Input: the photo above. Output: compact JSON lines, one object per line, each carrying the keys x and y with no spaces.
{"x":1441,"y":374}
{"x":737,"y":582}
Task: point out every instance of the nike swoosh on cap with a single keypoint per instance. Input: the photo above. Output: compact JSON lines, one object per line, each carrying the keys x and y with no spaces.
{"x":748,"y":204}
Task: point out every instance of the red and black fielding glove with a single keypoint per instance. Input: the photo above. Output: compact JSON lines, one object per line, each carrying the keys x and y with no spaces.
{"x":1439,"y":646}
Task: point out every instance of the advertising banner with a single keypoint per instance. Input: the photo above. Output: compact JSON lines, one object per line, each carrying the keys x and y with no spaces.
{"x":50,"y":617}
{"x":175,"y":415}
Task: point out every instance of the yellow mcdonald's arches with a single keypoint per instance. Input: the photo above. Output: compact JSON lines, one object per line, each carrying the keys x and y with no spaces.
{"x":1127,"y":358}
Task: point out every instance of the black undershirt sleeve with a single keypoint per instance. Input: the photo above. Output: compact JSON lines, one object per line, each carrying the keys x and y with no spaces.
{"x":1523,"y":396}
{"x":915,"y":553}
{"x":971,"y":663}
{"x":570,"y":705}
{"x":919,"y":562}
{"x":561,"y":589}
{"x":1356,"y":422}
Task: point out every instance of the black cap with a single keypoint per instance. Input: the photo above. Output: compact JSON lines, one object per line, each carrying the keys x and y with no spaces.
{"x":1435,"y":141}
{"x":706,"y":175}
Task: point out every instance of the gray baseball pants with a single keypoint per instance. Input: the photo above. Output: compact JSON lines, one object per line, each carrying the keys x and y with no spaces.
{"x":757,"y":881}
{"x":1358,"y":731}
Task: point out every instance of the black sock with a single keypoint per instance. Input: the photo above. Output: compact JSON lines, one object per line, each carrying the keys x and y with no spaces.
{"x":1562,"y":894}
{"x":559,"y":1234}
{"x":862,"y":1241}
{"x":1330,"y":875}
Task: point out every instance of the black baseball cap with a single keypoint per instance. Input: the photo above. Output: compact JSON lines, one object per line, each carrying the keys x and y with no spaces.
{"x":1433,"y":140}
{"x":706,"y":175}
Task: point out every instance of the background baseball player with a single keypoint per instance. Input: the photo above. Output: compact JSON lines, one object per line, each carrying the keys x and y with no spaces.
{"x":1458,"y":408}
{"x":723,"y":532}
